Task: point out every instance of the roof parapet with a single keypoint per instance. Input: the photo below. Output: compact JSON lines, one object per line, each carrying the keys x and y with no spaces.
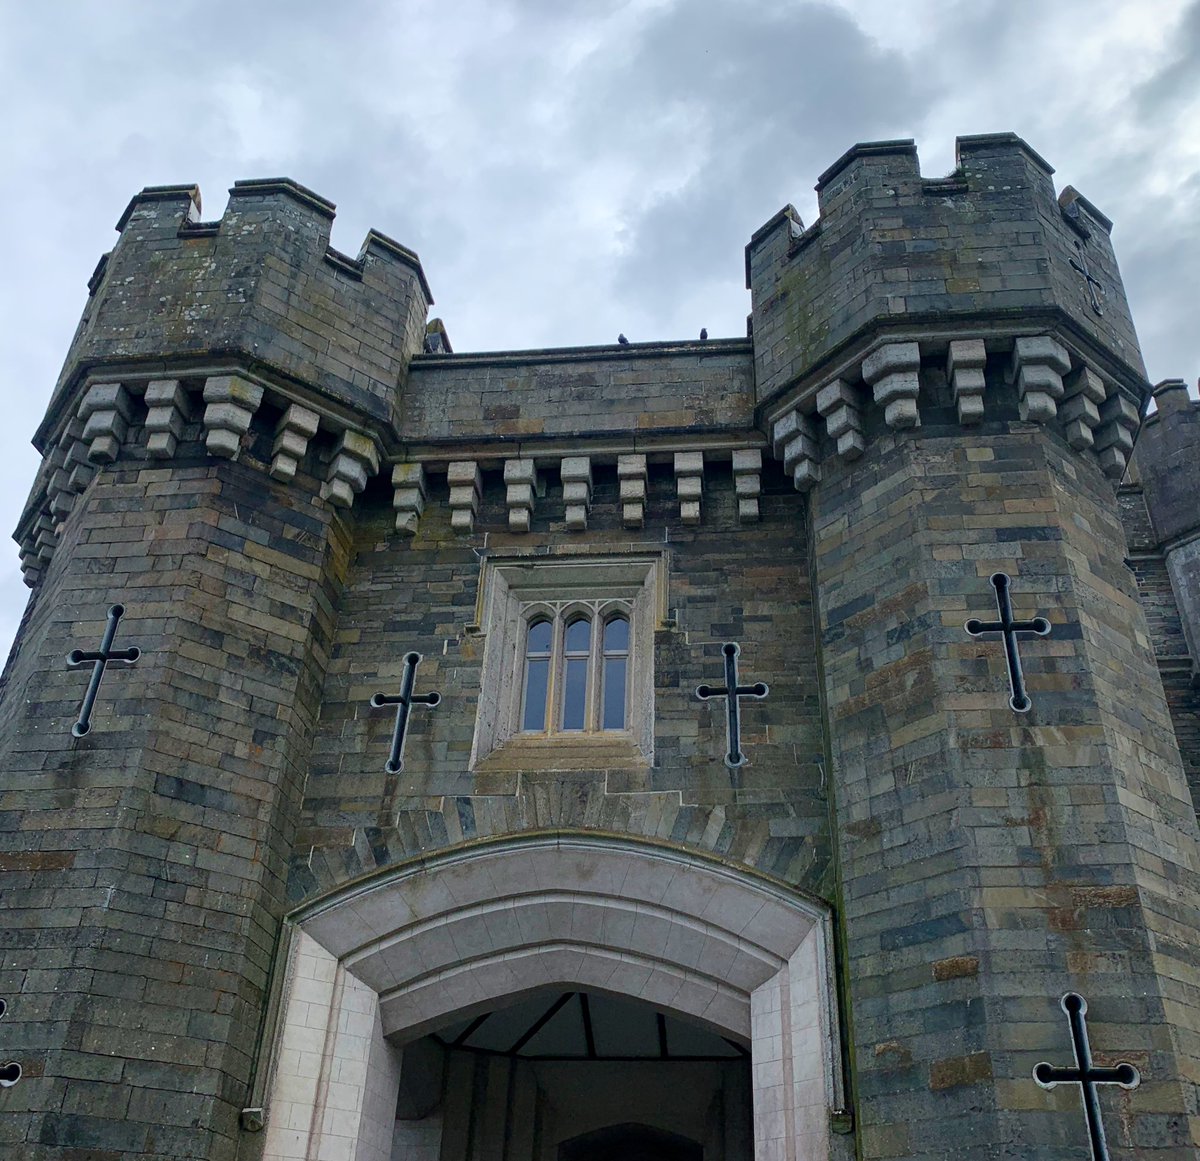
{"x":164,"y":193}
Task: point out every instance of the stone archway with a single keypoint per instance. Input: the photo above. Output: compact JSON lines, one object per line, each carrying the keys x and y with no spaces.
{"x":382,"y":962}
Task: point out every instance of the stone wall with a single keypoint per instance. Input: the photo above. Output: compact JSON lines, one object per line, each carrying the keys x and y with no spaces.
{"x":260,"y":285}
{"x":144,"y":862}
{"x":533,"y":396}
{"x":726,"y":582}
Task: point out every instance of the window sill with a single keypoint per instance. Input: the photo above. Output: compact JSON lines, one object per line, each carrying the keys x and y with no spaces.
{"x":615,"y":751}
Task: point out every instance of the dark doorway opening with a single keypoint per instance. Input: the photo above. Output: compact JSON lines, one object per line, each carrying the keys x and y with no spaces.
{"x":630,"y":1143}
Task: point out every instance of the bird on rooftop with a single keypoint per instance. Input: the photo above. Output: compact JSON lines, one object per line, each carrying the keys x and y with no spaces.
{"x":703,"y":333}
{"x":622,"y":340}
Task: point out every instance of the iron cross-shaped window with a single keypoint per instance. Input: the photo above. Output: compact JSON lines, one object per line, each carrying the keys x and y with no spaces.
{"x":10,"y":1073}
{"x":403,"y":701}
{"x":732,"y":692}
{"x":1086,"y":1074}
{"x":1090,"y":280}
{"x":1009,"y":628}
{"x":100,"y":659}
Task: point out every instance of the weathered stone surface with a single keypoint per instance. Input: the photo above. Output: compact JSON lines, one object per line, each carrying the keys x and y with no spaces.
{"x":105,"y":410}
{"x":408,"y":497}
{"x":964,"y":366}
{"x":296,"y":427}
{"x":230,"y":403}
{"x":355,"y":460}
{"x":978,"y":866}
{"x":631,"y":472}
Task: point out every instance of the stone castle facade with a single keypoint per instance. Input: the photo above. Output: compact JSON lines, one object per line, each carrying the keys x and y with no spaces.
{"x":269,"y":898}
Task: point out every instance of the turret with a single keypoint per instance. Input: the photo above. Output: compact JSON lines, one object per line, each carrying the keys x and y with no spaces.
{"x":948,"y":370}
{"x":230,"y":390}
{"x":215,"y":320}
{"x":985,"y":266}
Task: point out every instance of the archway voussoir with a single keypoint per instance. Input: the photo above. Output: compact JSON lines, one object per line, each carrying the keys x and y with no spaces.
{"x":472,"y":932}
{"x":383,"y":911}
{"x":343,"y":926}
{"x":729,"y":1012}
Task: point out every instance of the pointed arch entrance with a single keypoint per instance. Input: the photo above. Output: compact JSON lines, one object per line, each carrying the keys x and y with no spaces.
{"x":378,"y":966}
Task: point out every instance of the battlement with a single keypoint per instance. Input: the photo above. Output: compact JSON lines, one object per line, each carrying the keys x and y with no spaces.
{"x":260,"y":285}
{"x":981,"y":248}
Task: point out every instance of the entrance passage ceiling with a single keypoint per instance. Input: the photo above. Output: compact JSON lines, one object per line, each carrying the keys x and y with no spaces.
{"x":587,"y":1026}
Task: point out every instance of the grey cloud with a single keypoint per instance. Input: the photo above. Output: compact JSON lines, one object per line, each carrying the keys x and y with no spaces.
{"x":775,"y":95}
{"x":1177,"y":82}
{"x":565,"y":171}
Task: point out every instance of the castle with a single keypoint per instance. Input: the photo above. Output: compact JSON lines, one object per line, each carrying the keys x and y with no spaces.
{"x":770,"y":747}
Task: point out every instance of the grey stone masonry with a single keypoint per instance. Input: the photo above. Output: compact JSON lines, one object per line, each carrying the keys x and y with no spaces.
{"x":989,"y":865}
{"x":262,"y":283}
{"x":296,"y":427}
{"x":576,"y":473}
{"x":964,"y":369}
{"x":1162,"y":531}
{"x":539,"y":397}
{"x":295,"y":489}
{"x":892,"y":249}
{"x":229,"y":404}
{"x":1167,"y":467}
{"x":631,"y":472}
{"x":105,"y":410}
{"x":408,"y":496}
{"x":165,"y":407}
{"x":520,"y":480}
{"x":144,"y":867}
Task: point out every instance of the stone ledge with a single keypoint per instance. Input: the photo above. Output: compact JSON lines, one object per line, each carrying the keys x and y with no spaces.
{"x":542,"y":754}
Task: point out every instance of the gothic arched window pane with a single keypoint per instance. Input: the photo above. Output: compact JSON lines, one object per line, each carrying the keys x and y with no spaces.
{"x":616,"y":673}
{"x":538,"y":644}
{"x":576,"y":654}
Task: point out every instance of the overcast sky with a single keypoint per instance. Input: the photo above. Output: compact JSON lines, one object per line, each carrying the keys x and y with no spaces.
{"x":567,"y":170}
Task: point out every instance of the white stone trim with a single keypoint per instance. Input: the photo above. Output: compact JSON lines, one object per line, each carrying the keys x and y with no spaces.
{"x":705,"y":941}
{"x":333,"y":1087}
{"x":510,"y":587}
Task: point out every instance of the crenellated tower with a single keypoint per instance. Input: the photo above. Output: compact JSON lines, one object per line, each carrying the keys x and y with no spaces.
{"x":584,"y":899}
{"x":948,"y":369}
{"x":231,"y":387}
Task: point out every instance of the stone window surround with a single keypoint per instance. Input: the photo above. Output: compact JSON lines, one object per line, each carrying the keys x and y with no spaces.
{"x":383,"y":962}
{"x":513,"y":588}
